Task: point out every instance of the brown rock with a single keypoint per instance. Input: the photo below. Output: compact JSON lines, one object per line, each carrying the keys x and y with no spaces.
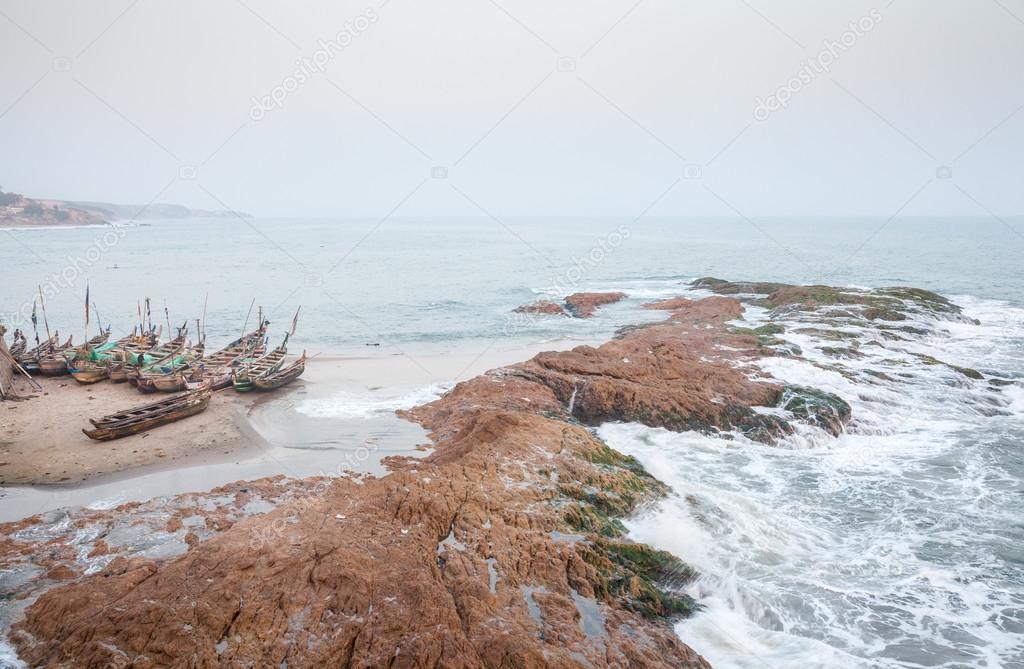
{"x":578,"y":305}
{"x":546,"y":307}
{"x":583,"y":305}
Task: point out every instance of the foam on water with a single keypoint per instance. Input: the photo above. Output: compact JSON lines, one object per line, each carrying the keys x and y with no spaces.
{"x":897,"y":544}
{"x":9,"y":658}
{"x":369,"y":405}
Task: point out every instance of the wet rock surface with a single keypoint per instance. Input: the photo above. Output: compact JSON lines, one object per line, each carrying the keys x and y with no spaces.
{"x":577,"y":305}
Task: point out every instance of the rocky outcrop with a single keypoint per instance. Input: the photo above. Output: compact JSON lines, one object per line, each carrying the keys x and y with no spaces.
{"x":542,"y":307}
{"x":583,"y":305}
{"x":502,"y":548}
{"x":885,"y":304}
{"x":578,"y":305}
{"x":463,"y":560}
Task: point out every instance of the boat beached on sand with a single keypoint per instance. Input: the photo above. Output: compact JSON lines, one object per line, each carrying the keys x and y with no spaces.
{"x":216,"y":368}
{"x":282,"y":377}
{"x":149,"y":416}
{"x":242,"y":378}
{"x":55,"y":364}
{"x":172,"y":367}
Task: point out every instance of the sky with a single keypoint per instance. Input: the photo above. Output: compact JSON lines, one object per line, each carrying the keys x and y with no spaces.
{"x":518,"y":107}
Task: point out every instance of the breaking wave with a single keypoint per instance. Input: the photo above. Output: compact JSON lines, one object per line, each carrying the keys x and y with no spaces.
{"x":897,"y":544}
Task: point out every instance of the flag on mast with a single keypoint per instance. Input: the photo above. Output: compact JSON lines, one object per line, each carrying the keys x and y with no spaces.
{"x":86,"y":304}
{"x":295,"y":321}
{"x":35,"y":320}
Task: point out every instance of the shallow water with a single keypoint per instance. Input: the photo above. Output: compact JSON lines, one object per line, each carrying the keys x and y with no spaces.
{"x":899,"y":544}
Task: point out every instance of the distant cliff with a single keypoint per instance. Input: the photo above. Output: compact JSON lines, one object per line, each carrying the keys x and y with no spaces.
{"x":128,"y":212}
{"x":19,"y":211}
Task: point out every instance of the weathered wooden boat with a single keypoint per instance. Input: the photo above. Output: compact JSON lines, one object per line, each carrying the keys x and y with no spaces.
{"x":88,"y":364}
{"x":217,"y":367}
{"x":88,"y":372}
{"x":117,"y":370}
{"x":29,"y":360}
{"x":164,"y":372}
{"x":139,"y":361}
{"x":149,"y":416}
{"x":19,"y":345}
{"x":247,"y":371}
{"x":56,"y":364}
{"x":281,"y":377}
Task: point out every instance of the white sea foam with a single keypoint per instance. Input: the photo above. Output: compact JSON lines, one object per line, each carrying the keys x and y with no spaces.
{"x":897,"y":544}
{"x":8,"y":658}
{"x":369,"y":405}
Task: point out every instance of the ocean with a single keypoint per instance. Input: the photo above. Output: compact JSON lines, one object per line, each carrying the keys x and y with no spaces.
{"x":898,"y":544}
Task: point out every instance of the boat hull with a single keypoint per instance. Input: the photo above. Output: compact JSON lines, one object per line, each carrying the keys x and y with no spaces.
{"x":172,"y":384}
{"x":117,"y":374}
{"x":145,"y":385}
{"x":89,"y":376}
{"x":118,"y":430}
{"x":281,"y":378}
{"x":53,"y":367}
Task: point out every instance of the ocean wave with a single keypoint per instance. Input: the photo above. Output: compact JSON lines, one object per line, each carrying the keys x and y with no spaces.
{"x":894,"y":544}
{"x":8,"y":657}
{"x":353,"y":406}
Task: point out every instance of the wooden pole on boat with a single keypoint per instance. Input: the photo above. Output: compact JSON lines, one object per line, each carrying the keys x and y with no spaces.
{"x":35,"y":324}
{"x":42,"y":303}
{"x":86,"y":342}
{"x":99,"y":320}
{"x":246,"y":324}
{"x":202,"y":329}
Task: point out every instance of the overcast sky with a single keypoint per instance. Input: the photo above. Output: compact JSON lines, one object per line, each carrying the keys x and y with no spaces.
{"x":534,"y":107}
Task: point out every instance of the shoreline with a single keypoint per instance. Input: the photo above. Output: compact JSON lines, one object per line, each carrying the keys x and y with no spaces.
{"x":239,"y":437}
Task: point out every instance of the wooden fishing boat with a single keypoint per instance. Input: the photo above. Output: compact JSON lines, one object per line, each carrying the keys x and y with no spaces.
{"x":89,"y":372}
{"x":88,"y":363}
{"x":56,"y":364}
{"x":217,"y":367}
{"x":117,"y":370}
{"x":29,"y":360}
{"x":139,"y":361}
{"x":165,"y":372}
{"x":19,"y":345}
{"x":244,"y":375}
{"x":281,"y":377}
{"x":149,"y":416}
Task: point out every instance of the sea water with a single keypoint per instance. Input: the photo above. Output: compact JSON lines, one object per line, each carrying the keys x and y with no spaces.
{"x":898,"y":544}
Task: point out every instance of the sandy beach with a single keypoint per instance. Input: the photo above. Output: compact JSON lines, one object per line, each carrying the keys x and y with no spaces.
{"x":338,"y":417}
{"x":43,"y":443}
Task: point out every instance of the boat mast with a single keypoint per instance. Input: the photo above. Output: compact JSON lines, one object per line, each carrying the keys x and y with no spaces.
{"x":246,"y":324}
{"x":202,"y":329}
{"x":86,"y":342}
{"x":42,"y":303}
